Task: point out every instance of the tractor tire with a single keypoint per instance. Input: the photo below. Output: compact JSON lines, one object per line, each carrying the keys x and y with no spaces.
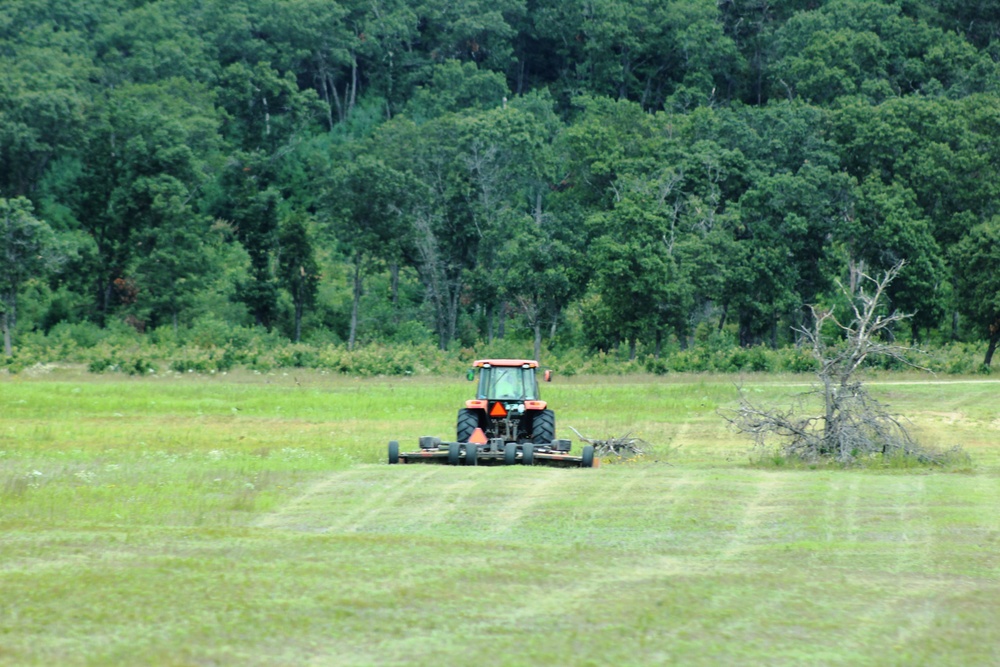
{"x":468,"y":421}
{"x":543,"y":427}
{"x":527,"y":454}
{"x":471,"y":454}
{"x":393,"y":452}
{"x":587,"y":457}
{"x":453,"y":453}
{"x":510,"y":454}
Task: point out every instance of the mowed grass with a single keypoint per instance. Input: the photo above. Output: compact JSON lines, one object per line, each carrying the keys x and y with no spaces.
{"x":250,"y":520}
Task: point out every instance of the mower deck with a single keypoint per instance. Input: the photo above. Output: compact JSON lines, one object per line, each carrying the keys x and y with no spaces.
{"x":495,"y":452}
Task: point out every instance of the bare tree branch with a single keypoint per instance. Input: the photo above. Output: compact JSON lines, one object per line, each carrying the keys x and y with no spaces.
{"x":853,"y":423}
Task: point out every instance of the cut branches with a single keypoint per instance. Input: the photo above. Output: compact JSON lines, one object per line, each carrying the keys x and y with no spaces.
{"x":623,"y":447}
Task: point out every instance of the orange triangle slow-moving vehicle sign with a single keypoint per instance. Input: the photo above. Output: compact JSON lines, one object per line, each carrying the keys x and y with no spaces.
{"x":478,"y":437}
{"x":498,"y":410}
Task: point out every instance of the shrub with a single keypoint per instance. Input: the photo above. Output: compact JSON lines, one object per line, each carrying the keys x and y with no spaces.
{"x":79,"y":334}
{"x":101,"y":365}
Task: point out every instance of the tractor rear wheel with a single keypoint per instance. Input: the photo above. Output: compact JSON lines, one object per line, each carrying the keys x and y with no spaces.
{"x":453,"y":453}
{"x":510,"y":454}
{"x":468,"y":421}
{"x":543,"y":427}
{"x":393,"y":452}
{"x":528,"y":454}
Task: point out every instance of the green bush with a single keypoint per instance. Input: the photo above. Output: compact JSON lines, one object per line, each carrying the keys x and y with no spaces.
{"x":102,"y":365}
{"x":214,"y":346}
{"x":80,"y":334}
{"x":794,"y":360}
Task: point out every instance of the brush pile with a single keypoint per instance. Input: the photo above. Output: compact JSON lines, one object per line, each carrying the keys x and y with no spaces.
{"x":624,"y":446}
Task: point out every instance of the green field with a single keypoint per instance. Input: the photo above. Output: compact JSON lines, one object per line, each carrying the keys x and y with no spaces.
{"x":250,"y":520}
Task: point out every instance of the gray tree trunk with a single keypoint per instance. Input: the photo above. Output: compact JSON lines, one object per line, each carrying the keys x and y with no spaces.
{"x":8,"y":349}
{"x":502,"y":324}
{"x":298,"y":319}
{"x":355,"y":304}
{"x":994,"y":339}
{"x":538,"y":340}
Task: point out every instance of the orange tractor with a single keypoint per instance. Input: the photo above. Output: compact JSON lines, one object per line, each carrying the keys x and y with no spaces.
{"x":507,"y":423}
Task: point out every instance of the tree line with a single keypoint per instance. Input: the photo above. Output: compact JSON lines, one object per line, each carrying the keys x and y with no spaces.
{"x":597,"y":173}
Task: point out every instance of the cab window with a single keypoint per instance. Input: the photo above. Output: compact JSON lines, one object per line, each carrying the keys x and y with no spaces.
{"x":507,"y":383}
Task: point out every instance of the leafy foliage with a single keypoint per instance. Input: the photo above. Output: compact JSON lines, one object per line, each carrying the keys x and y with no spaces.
{"x":589,"y":175}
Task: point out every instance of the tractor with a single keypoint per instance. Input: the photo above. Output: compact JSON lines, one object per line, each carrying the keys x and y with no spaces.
{"x":507,"y":404}
{"x":505,"y":424}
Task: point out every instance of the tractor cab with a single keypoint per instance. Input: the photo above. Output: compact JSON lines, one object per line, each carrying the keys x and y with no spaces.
{"x":507,"y":383}
{"x":507,"y":404}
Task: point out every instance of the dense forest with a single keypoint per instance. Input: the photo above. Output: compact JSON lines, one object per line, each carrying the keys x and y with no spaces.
{"x":629,"y":175}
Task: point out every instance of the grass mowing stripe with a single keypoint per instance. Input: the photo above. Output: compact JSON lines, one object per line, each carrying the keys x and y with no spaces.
{"x":755,"y":512}
{"x":326,"y":505}
{"x":511,"y":509}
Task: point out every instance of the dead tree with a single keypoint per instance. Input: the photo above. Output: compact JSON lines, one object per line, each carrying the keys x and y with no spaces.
{"x":853,"y":423}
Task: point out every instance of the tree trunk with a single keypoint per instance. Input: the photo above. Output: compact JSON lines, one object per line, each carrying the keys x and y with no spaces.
{"x":994,"y":339}
{"x":538,"y":340}
{"x":388,"y":87}
{"x":336,"y":99}
{"x":325,"y":90}
{"x":829,"y":414}
{"x":8,"y":349}
{"x":394,"y":283}
{"x":299,"y":288}
{"x":626,"y":68}
{"x":631,"y":348}
{"x":746,"y":337}
{"x":355,"y":305}
{"x":11,"y":303}
{"x":105,"y":301}
{"x":453,"y":298}
{"x":354,"y":85}
{"x":501,"y":326}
